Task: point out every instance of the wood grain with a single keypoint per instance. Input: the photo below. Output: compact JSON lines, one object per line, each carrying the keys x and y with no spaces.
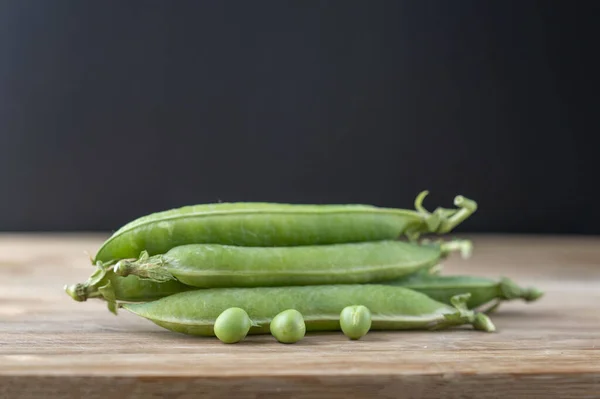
{"x":52,"y":346}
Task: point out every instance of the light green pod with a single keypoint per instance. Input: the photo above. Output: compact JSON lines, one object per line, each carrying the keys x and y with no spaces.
{"x":355,"y":321}
{"x":222,"y":266}
{"x":273,"y":224}
{"x":392,"y":308}
{"x":483,"y":290}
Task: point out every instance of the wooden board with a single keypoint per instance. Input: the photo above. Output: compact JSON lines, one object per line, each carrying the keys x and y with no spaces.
{"x":54,"y":347}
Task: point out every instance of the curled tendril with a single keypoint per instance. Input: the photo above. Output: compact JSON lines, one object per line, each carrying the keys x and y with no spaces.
{"x":419,"y":201}
{"x":443,"y":220}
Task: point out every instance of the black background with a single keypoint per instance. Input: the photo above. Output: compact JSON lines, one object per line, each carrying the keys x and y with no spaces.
{"x":113,"y":109}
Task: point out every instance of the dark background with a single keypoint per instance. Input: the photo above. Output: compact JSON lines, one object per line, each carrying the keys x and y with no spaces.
{"x":113,"y":109}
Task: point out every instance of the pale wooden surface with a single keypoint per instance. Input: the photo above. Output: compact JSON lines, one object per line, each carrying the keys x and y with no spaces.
{"x":52,"y":346}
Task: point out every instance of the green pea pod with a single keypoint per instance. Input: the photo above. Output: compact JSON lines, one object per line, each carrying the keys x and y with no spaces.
{"x":483,"y":290}
{"x":273,"y":224}
{"x":224,"y":266}
{"x":391,"y":307}
{"x":105,"y":284}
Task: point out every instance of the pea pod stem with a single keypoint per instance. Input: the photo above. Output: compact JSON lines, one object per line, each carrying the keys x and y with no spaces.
{"x":80,"y":292}
{"x":104,"y":284}
{"x":97,"y":286}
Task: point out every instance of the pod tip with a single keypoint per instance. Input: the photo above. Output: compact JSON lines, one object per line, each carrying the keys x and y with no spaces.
{"x":533,"y":294}
{"x":76,"y":291}
{"x":483,"y":323}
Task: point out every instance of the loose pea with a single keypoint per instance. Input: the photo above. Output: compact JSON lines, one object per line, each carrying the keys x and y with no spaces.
{"x":288,"y":326}
{"x":274,"y":224}
{"x":355,"y":321}
{"x":232,"y":325}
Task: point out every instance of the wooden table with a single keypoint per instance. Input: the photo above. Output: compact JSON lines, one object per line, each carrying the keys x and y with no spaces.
{"x":52,"y":346}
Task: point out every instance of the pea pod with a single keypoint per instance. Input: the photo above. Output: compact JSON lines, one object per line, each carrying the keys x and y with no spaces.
{"x":105,"y":284}
{"x":391,"y":307}
{"x":223,"y":266}
{"x":483,"y":290}
{"x":274,"y":224}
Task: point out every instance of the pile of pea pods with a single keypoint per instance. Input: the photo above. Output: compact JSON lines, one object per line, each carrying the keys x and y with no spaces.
{"x":227,"y":270}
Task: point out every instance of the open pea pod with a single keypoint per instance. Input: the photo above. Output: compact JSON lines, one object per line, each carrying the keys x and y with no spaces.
{"x":274,"y":224}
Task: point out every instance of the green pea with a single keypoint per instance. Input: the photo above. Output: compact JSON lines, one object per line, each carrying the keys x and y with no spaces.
{"x":274,"y":224}
{"x":288,"y":326}
{"x":232,"y":325}
{"x":216,"y":265}
{"x":355,"y":321}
